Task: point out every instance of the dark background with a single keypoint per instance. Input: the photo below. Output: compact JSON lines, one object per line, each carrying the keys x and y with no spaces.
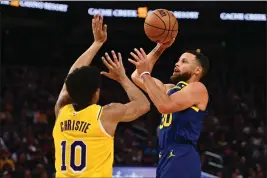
{"x":38,"y":47}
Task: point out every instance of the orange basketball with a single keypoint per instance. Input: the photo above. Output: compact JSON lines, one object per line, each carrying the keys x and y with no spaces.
{"x":161,"y":26}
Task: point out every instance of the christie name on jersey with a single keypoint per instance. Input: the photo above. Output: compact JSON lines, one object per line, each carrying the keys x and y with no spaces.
{"x":74,"y":126}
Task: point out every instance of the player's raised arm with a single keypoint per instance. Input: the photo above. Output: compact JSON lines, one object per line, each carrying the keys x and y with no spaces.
{"x":194,"y":94}
{"x":153,"y":56}
{"x":100,"y":36}
{"x":138,"y":104}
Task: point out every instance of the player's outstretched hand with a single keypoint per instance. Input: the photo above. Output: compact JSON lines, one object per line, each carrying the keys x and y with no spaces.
{"x":99,"y":30}
{"x":166,"y":45}
{"x":141,"y":61}
{"x":115,"y":67}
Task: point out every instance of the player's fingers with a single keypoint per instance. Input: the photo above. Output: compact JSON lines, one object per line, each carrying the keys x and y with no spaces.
{"x":115,"y":58}
{"x":120,"y":59}
{"x":138,"y":53}
{"x":105,"y":27}
{"x":106,"y":63}
{"x":133,"y":62}
{"x":105,"y":74}
{"x":135,"y":56}
{"x":101,"y":22}
{"x":110,"y":61}
{"x":143,"y":52}
{"x":96,"y":17}
{"x":93,"y":24}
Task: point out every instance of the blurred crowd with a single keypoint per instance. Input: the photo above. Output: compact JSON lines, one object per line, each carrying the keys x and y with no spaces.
{"x":36,"y":49}
{"x":234,"y":130}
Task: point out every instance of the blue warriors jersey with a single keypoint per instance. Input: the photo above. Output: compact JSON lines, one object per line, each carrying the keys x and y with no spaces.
{"x":184,"y":126}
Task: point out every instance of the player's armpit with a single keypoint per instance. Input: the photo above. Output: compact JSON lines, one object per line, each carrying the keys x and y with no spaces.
{"x":193,"y":94}
{"x":118,"y":112}
{"x":62,"y":101}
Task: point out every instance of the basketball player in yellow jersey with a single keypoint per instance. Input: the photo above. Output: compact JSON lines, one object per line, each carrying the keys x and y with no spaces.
{"x":83,"y":132}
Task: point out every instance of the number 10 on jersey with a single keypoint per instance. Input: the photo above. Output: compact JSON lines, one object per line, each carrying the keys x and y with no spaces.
{"x":72,"y":156}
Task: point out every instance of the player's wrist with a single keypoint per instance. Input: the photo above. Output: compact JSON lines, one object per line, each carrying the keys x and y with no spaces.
{"x":143,"y":74}
{"x":99,"y":43}
{"x":123,"y":79}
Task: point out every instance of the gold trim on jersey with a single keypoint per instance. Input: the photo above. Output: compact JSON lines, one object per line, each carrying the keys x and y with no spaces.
{"x":100,"y":124}
{"x":103,"y":129}
{"x":177,"y":87}
{"x":195,"y":108}
{"x":99,"y":113}
{"x":183,"y":82}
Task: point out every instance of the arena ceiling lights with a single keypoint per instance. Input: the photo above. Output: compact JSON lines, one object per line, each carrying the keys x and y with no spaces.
{"x":140,"y":12}
{"x":49,"y":6}
{"x":242,"y":16}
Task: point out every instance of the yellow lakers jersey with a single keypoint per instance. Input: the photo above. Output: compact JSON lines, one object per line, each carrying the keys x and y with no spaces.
{"x":82,"y":147}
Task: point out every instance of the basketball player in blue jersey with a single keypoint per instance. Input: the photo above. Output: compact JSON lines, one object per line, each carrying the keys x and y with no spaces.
{"x":183,"y":107}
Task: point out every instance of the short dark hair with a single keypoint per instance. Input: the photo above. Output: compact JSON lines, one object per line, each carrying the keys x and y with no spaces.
{"x":203,"y":60}
{"x":82,"y":84}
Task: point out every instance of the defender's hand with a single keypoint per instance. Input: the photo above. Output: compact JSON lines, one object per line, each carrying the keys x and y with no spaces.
{"x":116,"y":68}
{"x":141,"y":61}
{"x":99,"y":30}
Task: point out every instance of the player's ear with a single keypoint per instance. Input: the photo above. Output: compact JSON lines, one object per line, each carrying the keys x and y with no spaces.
{"x":198,"y":70}
{"x":96,"y":95}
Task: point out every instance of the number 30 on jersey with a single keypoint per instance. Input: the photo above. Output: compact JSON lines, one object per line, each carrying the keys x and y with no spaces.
{"x":166,"y":120}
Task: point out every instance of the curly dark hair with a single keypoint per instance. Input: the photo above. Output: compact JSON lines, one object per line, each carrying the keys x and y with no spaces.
{"x":203,"y":60}
{"x":82,"y":84}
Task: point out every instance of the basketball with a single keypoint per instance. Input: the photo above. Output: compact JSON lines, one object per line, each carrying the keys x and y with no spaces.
{"x":161,"y":26}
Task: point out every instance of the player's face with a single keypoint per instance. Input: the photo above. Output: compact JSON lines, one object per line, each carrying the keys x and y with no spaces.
{"x":184,"y":68}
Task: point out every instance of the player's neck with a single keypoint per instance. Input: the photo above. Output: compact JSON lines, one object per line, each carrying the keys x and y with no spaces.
{"x":192,"y":79}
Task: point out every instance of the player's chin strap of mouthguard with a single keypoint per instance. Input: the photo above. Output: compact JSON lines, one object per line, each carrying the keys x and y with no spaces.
{"x":144,"y":74}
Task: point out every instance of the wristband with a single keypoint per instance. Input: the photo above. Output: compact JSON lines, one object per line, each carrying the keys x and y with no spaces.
{"x":144,"y":74}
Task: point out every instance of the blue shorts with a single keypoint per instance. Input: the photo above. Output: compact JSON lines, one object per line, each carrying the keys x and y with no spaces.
{"x":179,"y":161}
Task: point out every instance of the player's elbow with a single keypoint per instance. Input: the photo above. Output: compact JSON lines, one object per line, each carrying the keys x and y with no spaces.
{"x":164,"y":109}
{"x":145,"y":107}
